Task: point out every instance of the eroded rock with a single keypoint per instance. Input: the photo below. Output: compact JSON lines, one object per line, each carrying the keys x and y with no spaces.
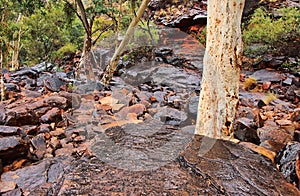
{"x":286,"y":159}
{"x":234,"y":169}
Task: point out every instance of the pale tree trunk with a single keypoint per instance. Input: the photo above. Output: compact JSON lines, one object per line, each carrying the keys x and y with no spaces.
{"x":108,"y":74}
{"x":222,"y":65}
{"x":2,"y":87}
{"x":16,"y":46}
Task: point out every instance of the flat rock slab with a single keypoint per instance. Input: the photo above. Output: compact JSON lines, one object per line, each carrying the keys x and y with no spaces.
{"x":267,"y":76}
{"x":224,"y":169}
{"x":43,"y":176}
{"x":234,"y":169}
{"x":206,"y":167}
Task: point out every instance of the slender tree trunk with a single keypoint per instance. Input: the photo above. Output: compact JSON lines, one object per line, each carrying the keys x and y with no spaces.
{"x":85,"y":60}
{"x":16,"y":46}
{"x":2,"y":87}
{"x":222,"y":64}
{"x":114,"y":61}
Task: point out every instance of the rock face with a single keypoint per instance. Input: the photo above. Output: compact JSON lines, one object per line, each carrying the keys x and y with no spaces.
{"x":42,"y":175}
{"x":226,"y":169}
{"x":287,"y":160}
{"x":234,"y":169}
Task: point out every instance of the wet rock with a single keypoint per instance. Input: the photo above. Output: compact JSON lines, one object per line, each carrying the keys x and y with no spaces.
{"x":259,"y":149}
{"x":12,"y":147}
{"x":286,"y":159}
{"x":57,"y":101}
{"x":276,"y":62}
{"x":40,"y":175}
{"x":193,"y":105}
{"x":44,"y":128}
{"x":170,"y":116}
{"x":296,"y":115}
{"x":175,"y":78}
{"x":272,"y":145}
{"x":159,"y":96}
{"x":231,"y":167}
{"x":11,"y":87}
{"x":264,"y":75}
{"x":274,"y":133}
{"x":39,"y":144}
{"x":137,"y":109}
{"x":25,"y":71}
{"x":10,"y":131}
{"x":53,"y":83}
{"x":246,"y":131}
{"x":53,"y":115}
{"x":21,"y":115}
{"x":7,"y":186}
{"x":250,"y":6}
{"x":55,"y":143}
{"x":288,"y":81}
{"x":15,"y":192}
{"x":42,"y":67}
{"x":73,"y":99}
{"x":2,"y":115}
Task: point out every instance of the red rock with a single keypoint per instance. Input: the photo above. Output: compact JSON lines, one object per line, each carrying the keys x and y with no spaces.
{"x":58,"y":132}
{"x":64,"y":151}
{"x":53,"y":115}
{"x":39,"y":145}
{"x":79,"y":138}
{"x":11,"y":148}
{"x":30,"y":129}
{"x":55,"y":143}
{"x":152,"y":99}
{"x":261,"y":150}
{"x":138,"y":109}
{"x":266,"y":85}
{"x":44,"y":128}
{"x":6,"y":186}
{"x":272,"y":145}
{"x":103,"y":107}
{"x":274,"y":133}
{"x":283,"y":122}
{"x":19,"y":164}
{"x":296,"y":115}
{"x":47,"y":136}
{"x":57,"y":101}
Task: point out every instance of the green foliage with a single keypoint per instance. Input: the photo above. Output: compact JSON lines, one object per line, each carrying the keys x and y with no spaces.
{"x":292,"y":66}
{"x":68,"y":48}
{"x":265,"y":29}
{"x":202,"y":36}
{"x":46,"y":36}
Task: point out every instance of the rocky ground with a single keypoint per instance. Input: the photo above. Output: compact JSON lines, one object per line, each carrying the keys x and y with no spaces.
{"x":61,"y":135}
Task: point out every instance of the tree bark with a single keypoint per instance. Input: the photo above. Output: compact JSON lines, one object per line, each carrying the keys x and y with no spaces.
{"x":115,"y":59}
{"x":2,"y":87}
{"x":222,"y":64}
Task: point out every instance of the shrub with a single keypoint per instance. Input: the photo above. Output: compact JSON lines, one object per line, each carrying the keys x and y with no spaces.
{"x":267,"y":29}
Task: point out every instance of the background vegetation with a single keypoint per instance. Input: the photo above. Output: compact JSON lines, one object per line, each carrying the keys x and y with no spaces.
{"x":33,"y":31}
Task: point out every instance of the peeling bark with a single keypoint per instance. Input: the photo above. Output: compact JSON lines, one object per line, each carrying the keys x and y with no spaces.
{"x":222,"y":64}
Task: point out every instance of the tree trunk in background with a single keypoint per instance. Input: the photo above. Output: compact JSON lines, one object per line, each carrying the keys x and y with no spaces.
{"x":2,"y":87}
{"x":108,"y":74}
{"x":222,"y":65}
{"x":85,"y":60}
